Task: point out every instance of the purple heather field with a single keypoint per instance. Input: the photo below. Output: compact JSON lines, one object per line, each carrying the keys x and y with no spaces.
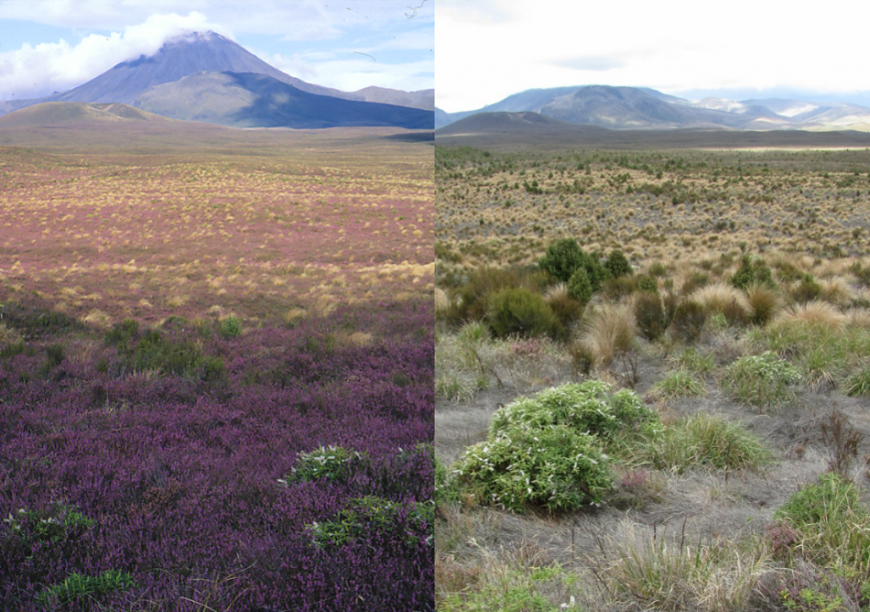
{"x":199,"y":466}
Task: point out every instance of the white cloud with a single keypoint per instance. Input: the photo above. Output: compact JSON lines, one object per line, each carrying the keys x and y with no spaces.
{"x":352,"y":74}
{"x":31,"y":71}
{"x":490,"y":49}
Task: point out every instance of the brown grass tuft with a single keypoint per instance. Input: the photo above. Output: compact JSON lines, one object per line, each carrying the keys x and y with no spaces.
{"x":609,"y":332}
{"x":813,"y":313}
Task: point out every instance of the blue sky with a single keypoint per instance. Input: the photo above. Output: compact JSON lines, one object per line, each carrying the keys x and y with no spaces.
{"x":489,"y":49}
{"x":55,"y":45}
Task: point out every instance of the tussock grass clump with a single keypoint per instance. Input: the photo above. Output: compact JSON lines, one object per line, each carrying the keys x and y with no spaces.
{"x":706,"y":440}
{"x":836,"y":291}
{"x":678,"y":383}
{"x":609,"y":333}
{"x":761,"y":380}
{"x":721,"y":298}
{"x":763,"y":304}
{"x":830,"y":528}
{"x":661,"y":572}
{"x":813,"y":313}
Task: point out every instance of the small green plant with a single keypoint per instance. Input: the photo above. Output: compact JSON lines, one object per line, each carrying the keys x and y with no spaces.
{"x":857,"y":384}
{"x":329,"y":463}
{"x":230,"y":327}
{"x":706,"y":440}
{"x":362,"y":515}
{"x":695,"y":361}
{"x":752,"y":271}
{"x":761,"y":380}
{"x":678,"y":383}
{"x":78,"y":585}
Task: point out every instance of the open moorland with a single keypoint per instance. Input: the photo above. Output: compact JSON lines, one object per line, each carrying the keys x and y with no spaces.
{"x":216,"y":369}
{"x":652,"y":382}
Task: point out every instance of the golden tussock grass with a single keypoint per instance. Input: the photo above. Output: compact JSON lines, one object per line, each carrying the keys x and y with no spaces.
{"x":609,"y":332}
{"x":719,"y":296}
{"x":812,"y":313}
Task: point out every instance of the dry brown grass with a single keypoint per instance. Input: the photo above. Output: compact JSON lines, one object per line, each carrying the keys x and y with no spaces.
{"x":719,"y":297}
{"x":609,"y":332}
{"x":812,"y":313}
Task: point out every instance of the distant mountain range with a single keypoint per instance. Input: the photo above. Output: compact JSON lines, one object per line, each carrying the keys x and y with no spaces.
{"x":209,"y":78}
{"x":644,"y":108}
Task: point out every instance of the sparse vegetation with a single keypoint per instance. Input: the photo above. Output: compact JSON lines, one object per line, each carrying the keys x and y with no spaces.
{"x":734,"y":302}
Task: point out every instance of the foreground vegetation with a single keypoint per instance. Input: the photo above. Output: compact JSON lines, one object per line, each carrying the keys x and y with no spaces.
{"x":651,"y":376}
{"x":216,"y":371}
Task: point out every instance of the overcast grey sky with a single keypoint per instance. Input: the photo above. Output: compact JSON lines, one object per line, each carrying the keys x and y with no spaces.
{"x":55,"y":45}
{"x":489,"y":49}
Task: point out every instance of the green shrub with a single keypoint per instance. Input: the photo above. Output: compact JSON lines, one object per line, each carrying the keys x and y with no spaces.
{"x":688,"y":321}
{"x":830,"y":499}
{"x":579,"y":286}
{"x":518,"y":311}
{"x":761,"y":380}
{"x":752,"y":271}
{"x":363,"y":515}
{"x":445,"y":489}
{"x":76,"y":585}
{"x":554,"y":466}
{"x":562,"y":259}
{"x":617,"y":264}
{"x":590,"y":406}
{"x":329,"y":463}
{"x":647,"y":284}
{"x":650,"y":315}
{"x":567,"y":310}
{"x":807,"y":291}
{"x":230,"y":327}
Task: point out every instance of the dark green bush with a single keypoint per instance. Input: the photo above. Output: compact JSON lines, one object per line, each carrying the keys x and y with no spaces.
{"x":807,"y":291}
{"x":617,"y":264}
{"x":562,"y":259}
{"x":647,"y":284}
{"x":752,"y":271}
{"x":230,"y":327}
{"x":688,"y":321}
{"x":518,"y":311}
{"x":650,"y":314}
{"x":567,"y":309}
{"x":579,"y":286}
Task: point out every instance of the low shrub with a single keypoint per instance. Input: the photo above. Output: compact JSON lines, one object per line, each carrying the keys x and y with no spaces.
{"x":617,"y":264}
{"x":761,"y":380}
{"x":688,"y":321}
{"x":591,"y":406}
{"x":363,"y":516}
{"x":329,"y":463}
{"x":579,"y":286}
{"x":554,"y":466}
{"x":520,"y":312}
{"x":230,"y":327}
{"x":763,"y":303}
{"x":807,"y":290}
{"x":752,"y":271}
{"x":649,"y":312}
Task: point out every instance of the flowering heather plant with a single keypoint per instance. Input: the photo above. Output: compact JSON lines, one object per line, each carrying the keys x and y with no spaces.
{"x":168,"y":477}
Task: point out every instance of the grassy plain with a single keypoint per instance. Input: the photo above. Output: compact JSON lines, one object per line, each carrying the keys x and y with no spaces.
{"x":125,"y":222}
{"x":743,"y":326}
